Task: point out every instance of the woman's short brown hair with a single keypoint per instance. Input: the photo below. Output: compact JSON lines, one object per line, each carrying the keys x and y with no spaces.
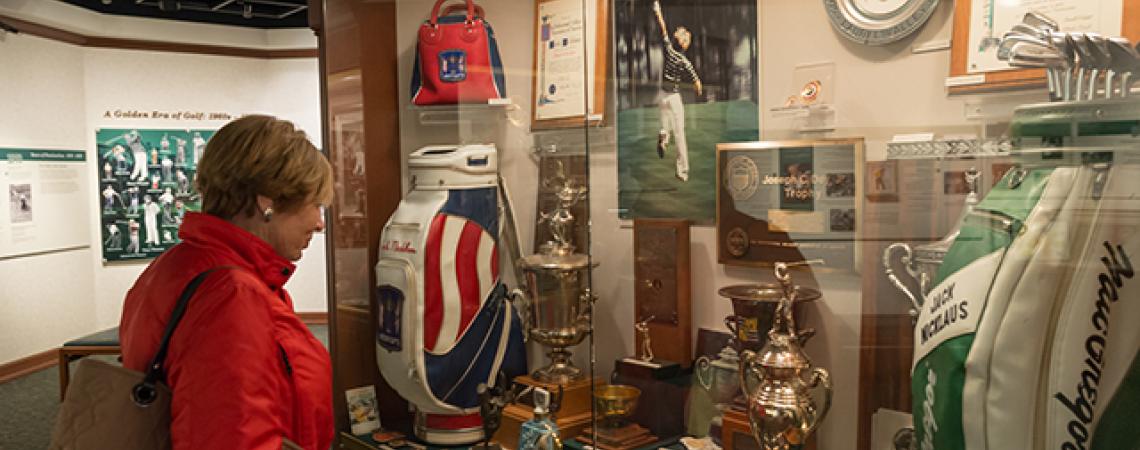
{"x":261,"y":155}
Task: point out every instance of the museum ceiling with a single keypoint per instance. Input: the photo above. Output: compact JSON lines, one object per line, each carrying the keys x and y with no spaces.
{"x":245,"y":13}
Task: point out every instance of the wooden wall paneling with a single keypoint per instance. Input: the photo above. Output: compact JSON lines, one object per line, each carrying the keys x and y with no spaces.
{"x":359,"y":78}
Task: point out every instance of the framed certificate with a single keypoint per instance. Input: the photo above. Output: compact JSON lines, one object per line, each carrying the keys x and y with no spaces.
{"x":789,"y":201}
{"x":980,"y":24}
{"x":570,"y":63}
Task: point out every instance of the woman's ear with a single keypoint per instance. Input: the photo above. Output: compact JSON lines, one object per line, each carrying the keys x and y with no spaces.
{"x":263,"y":203}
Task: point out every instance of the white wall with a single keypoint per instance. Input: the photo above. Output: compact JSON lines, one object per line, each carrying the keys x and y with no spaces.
{"x":55,"y":95}
{"x":46,"y":299}
{"x":144,"y":81}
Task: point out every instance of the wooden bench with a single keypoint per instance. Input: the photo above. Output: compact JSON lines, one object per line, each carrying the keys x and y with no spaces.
{"x":105,"y":342}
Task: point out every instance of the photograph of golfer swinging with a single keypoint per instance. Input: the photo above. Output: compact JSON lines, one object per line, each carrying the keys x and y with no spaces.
{"x":686,"y":80}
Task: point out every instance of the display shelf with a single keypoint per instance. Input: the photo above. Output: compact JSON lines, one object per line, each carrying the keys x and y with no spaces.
{"x":800,"y":111}
{"x":810,"y":118}
{"x":949,"y":149}
{"x":448,"y":115}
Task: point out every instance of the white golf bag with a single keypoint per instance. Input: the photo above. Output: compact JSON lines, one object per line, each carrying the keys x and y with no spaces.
{"x":1028,"y":339}
{"x":445,"y":324}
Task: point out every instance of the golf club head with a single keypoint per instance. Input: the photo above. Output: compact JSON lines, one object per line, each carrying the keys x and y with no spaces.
{"x":1122,"y":59}
{"x":1126,"y":61}
{"x":1040,"y":21}
{"x":1101,"y":60}
{"x":1064,"y":80}
{"x":1028,"y":54}
{"x":1029,"y":31}
{"x":1035,"y":55}
{"x":1098,"y":48}
{"x":1061,"y":42}
{"x":1012,"y":38}
{"x":1084,"y":62}
{"x":1123,"y":44}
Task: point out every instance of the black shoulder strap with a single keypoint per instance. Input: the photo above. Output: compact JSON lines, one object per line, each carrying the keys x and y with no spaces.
{"x":144,"y":393}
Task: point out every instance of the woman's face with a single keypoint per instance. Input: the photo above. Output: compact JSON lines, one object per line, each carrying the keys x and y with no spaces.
{"x":291,"y":231}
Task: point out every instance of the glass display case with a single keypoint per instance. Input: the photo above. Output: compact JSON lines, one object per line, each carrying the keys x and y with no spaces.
{"x":626,"y":224}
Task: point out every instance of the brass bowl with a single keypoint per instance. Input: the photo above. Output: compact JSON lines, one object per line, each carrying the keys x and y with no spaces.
{"x":616,"y":402}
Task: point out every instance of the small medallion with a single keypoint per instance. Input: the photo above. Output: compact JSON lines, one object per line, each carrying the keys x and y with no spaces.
{"x":736,"y":242}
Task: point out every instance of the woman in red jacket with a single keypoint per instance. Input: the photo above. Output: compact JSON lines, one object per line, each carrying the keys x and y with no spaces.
{"x":245,"y":372}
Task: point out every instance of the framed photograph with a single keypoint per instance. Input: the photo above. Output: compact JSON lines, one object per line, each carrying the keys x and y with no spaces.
{"x":362,"y":409}
{"x":569,"y":35}
{"x":882,"y":181}
{"x":687,"y":74}
{"x":789,"y":201}
{"x":348,"y":136}
{"x":980,"y":24}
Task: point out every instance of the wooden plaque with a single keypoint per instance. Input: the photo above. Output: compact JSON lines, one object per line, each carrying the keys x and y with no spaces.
{"x":663,"y":287}
{"x":789,"y":201}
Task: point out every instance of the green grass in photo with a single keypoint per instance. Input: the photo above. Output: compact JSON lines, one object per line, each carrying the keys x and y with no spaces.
{"x":648,"y":185}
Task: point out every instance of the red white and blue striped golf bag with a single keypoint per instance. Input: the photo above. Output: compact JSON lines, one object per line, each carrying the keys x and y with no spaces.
{"x":445,"y":323}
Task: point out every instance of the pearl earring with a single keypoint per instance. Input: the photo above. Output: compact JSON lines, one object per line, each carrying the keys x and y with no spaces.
{"x":268,"y":214}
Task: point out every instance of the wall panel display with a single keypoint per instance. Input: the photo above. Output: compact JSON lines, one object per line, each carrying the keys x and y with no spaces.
{"x":146,"y":186}
{"x":687,"y":79}
{"x":42,"y":201}
{"x":789,"y":201}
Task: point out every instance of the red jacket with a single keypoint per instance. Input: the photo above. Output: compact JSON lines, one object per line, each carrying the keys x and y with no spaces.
{"x":244,"y":370}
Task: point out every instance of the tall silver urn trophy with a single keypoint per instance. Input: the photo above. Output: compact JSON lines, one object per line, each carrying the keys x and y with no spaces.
{"x":557,"y":288}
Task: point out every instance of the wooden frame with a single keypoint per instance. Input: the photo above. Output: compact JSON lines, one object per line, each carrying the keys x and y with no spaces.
{"x":737,"y":232}
{"x":1011,"y":79}
{"x":82,"y":40}
{"x":69,"y":353}
{"x":595,"y":80}
{"x":882,"y":184}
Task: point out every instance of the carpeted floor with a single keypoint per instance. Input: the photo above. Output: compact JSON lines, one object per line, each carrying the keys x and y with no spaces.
{"x":28,"y":405}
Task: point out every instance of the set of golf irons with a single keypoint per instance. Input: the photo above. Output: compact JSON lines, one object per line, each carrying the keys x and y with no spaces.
{"x":1076,"y":65}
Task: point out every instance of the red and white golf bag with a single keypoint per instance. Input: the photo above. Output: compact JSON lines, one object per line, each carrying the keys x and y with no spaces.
{"x":445,"y":323}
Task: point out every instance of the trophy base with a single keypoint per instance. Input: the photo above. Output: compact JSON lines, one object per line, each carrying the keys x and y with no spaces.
{"x":660,"y":391}
{"x":572,"y":416}
{"x":618,"y":438}
{"x":515,"y":415}
{"x":657,"y":369}
{"x":559,"y":373}
{"x":736,"y":433}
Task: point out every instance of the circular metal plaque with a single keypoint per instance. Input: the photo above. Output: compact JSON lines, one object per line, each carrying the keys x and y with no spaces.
{"x":878,"y":22}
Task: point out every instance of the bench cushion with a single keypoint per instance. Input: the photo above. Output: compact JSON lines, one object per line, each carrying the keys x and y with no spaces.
{"x":108,"y":337}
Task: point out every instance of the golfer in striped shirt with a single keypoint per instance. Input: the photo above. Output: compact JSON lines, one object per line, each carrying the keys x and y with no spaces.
{"x":677,"y":70}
